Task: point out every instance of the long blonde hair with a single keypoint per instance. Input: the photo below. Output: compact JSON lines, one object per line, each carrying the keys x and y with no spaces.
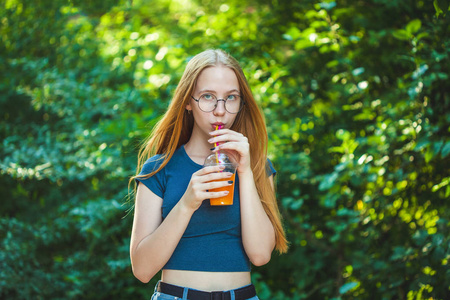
{"x":175,"y":129}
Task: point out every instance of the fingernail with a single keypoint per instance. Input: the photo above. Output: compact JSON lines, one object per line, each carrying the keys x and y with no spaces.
{"x":230,"y":181}
{"x":212,"y":148}
{"x":210,"y":140}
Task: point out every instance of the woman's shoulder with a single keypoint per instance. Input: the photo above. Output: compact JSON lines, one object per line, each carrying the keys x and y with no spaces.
{"x":152,"y":164}
{"x":158,"y":158}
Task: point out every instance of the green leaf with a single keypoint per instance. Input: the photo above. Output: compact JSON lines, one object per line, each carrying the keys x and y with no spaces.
{"x":445,"y":150}
{"x":444,"y":182}
{"x":422,"y":35}
{"x":429,"y":154}
{"x":358,"y":71}
{"x":413,"y":26}
{"x":327,"y":5}
{"x":401,"y":34}
{"x":420,"y":71}
{"x":328,"y":181}
{"x":347,"y":287}
{"x":443,"y":5}
{"x":343,"y":134}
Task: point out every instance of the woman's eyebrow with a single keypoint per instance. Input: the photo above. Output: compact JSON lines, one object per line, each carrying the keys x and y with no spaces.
{"x":213,"y":91}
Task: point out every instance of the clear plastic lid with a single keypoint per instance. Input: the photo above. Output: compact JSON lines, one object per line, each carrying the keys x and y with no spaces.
{"x":221,"y":158}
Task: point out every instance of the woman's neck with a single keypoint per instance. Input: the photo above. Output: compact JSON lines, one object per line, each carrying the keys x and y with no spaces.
{"x":198,"y":148}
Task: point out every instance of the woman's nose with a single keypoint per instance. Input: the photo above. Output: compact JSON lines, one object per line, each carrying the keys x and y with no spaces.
{"x":220,"y":108}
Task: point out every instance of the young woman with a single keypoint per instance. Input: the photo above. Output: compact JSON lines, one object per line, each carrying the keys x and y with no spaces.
{"x":204,"y":251}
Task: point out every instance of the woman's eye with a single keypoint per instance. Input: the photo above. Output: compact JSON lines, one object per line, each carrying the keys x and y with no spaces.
{"x":232,"y":97}
{"x":208,"y":97}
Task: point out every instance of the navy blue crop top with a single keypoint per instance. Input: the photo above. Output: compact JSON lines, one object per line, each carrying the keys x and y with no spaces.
{"x":212,"y":241}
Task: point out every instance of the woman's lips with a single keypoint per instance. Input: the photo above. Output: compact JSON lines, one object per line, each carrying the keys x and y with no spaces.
{"x":218,"y":125}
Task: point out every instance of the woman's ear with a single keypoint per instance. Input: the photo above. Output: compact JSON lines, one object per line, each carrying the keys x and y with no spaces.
{"x":188,"y":107}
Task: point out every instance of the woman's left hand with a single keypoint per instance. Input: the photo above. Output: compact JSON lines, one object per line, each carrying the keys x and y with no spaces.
{"x":234,"y":141}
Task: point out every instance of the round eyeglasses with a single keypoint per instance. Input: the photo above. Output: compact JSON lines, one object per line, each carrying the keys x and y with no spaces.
{"x":208,"y":102}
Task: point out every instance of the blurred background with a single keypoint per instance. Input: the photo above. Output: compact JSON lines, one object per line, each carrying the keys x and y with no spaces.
{"x":356,"y":99}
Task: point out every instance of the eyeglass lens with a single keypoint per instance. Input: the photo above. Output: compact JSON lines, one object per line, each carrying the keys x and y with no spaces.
{"x":209,"y":102}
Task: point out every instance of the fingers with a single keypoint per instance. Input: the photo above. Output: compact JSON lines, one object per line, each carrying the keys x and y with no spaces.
{"x":216,"y":177}
{"x":214,"y":171}
{"x":211,"y":178}
{"x":213,"y":190}
{"x":217,"y":194}
{"x":228,"y":139}
{"x":204,"y":186}
{"x":217,"y":184}
{"x":209,"y":170}
{"x":241,"y":148}
{"x":226,"y":135}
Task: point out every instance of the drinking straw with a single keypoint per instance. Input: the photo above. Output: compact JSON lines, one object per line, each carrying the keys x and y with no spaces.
{"x":215,"y":145}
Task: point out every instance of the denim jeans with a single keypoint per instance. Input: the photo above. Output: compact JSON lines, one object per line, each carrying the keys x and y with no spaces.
{"x":161,"y":296}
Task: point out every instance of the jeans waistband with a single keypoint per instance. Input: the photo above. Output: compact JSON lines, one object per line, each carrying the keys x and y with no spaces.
{"x":242,"y":293}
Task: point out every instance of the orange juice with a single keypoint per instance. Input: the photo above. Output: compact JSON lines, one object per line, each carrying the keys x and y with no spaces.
{"x":225,"y":200}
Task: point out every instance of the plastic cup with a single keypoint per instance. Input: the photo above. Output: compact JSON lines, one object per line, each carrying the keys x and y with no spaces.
{"x":221,"y":159}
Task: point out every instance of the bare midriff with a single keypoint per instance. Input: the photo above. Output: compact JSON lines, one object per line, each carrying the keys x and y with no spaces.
{"x":206,"y":281}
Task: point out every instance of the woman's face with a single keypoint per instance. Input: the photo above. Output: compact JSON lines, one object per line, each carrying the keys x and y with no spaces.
{"x":221,"y":82}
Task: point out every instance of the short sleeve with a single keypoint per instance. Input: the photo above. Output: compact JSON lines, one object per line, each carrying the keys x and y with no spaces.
{"x":270,"y":170}
{"x":155,"y":183}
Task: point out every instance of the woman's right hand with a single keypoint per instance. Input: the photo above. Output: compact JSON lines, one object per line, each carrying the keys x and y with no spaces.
{"x":201,"y":184}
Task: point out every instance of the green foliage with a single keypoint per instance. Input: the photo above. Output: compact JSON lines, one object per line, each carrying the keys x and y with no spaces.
{"x":356,"y":101}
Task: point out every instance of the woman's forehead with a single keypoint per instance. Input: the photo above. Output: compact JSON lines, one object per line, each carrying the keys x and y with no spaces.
{"x":217,"y":79}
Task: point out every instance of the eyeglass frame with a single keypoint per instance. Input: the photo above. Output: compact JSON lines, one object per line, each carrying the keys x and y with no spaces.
{"x":224,"y":104}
